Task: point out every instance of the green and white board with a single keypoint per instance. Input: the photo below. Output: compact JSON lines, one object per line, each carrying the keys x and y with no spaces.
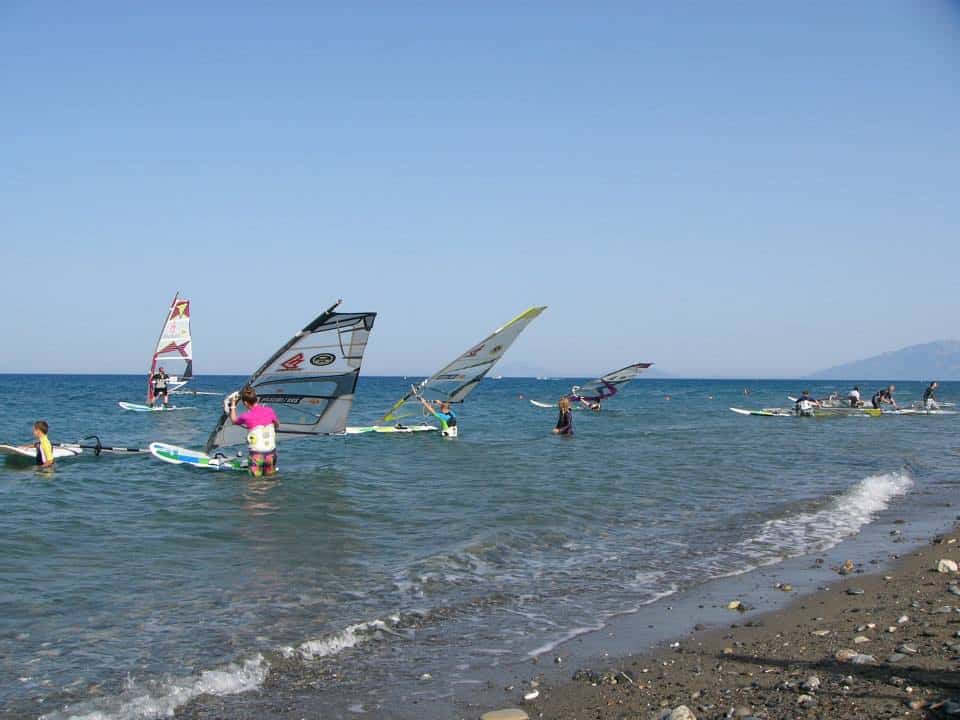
{"x":390,"y":429}
{"x":194,"y":458}
{"x":919,"y":411}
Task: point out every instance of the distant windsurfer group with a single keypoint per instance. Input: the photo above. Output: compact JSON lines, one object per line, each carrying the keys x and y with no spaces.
{"x":805,"y":405}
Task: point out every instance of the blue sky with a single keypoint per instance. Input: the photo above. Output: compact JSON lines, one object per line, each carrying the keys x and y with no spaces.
{"x":751,"y":188}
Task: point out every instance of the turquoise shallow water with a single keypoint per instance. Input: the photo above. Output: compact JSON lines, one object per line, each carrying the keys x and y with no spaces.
{"x":129,"y":587}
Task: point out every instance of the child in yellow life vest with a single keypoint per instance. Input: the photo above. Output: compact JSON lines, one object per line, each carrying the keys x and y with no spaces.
{"x":43,"y":446}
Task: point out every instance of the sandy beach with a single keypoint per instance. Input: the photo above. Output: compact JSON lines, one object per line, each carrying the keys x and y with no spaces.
{"x":868,"y":645}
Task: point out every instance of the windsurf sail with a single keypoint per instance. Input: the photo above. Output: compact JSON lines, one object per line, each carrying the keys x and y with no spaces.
{"x":609,"y":385}
{"x":458,"y":379}
{"x":174,"y":347}
{"x":309,"y":382}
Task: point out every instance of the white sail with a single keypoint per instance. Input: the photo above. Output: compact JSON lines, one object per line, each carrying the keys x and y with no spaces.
{"x":458,"y":379}
{"x":174,"y":349}
{"x":310,"y":381}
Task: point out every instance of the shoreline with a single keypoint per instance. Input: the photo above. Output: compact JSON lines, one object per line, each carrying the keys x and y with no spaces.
{"x":779,"y":662}
{"x":694,"y":615}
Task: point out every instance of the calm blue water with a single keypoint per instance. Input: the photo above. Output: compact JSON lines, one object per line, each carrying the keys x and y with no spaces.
{"x":129,"y":587}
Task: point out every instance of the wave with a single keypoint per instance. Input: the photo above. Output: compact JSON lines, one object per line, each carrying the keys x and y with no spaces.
{"x":163,"y":700}
{"x":821,"y":529}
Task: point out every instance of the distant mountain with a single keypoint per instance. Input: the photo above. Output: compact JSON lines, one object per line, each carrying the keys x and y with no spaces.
{"x":938,"y":360}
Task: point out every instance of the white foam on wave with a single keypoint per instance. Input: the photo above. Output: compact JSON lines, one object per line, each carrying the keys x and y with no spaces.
{"x":569,"y":635}
{"x":349,"y":637}
{"x":161,"y":700}
{"x":821,"y":529}
{"x":140,"y":704}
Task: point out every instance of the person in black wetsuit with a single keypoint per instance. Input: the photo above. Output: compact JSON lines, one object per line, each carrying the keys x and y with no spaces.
{"x":565,"y":420}
{"x":884,"y":397}
{"x":929,"y":397}
{"x":159,"y":381}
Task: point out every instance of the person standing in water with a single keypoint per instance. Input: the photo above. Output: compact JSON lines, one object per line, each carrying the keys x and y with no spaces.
{"x":853,"y":397}
{"x":262,"y":424}
{"x":159,"y":381}
{"x":806,"y":404}
{"x":42,"y":445}
{"x":565,"y":420}
{"x":441,"y":410}
{"x":929,"y":399}
{"x":884,"y":397}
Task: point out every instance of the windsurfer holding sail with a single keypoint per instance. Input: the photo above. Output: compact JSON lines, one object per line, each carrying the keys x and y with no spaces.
{"x":262,"y":424}
{"x":441,"y":410}
{"x":159,"y":381}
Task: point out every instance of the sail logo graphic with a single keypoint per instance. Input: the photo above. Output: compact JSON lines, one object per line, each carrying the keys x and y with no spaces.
{"x":173,"y":347}
{"x":496,"y":349}
{"x":322,"y":359}
{"x":292,"y":363}
{"x":473,"y":353}
{"x":181,"y":309}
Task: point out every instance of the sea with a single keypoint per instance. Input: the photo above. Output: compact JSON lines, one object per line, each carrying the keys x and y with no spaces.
{"x":380,"y":575}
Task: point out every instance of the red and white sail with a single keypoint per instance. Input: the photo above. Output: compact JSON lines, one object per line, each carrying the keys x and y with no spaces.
{"x":174,"y":351}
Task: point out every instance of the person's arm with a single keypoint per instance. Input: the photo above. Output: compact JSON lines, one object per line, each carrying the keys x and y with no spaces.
{"x":233,"y":410}
{"x":430,"y":408}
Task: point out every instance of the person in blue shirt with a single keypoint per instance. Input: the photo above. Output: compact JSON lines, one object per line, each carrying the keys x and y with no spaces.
{"x":447,"y":418}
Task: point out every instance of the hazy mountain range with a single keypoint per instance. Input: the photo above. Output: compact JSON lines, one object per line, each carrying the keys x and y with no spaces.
{"x":939,"y":360}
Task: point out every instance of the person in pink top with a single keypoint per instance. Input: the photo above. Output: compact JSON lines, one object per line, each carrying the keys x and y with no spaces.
{"x":262,"y":424}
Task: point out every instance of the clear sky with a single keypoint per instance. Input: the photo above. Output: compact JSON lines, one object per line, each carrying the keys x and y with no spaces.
{"x":742,"y":188}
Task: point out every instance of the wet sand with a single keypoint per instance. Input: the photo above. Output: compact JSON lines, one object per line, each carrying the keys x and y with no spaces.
{"x":865,"y":646}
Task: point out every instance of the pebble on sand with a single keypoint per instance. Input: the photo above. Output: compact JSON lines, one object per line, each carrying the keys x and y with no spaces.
{"x":681,"y":712}
{"x":947,"y":566}
{"x":505,"y":714}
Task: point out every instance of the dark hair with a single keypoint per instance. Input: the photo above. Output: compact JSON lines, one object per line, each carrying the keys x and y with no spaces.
{"x":248,"y":395}
{"x":42,"y":426}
